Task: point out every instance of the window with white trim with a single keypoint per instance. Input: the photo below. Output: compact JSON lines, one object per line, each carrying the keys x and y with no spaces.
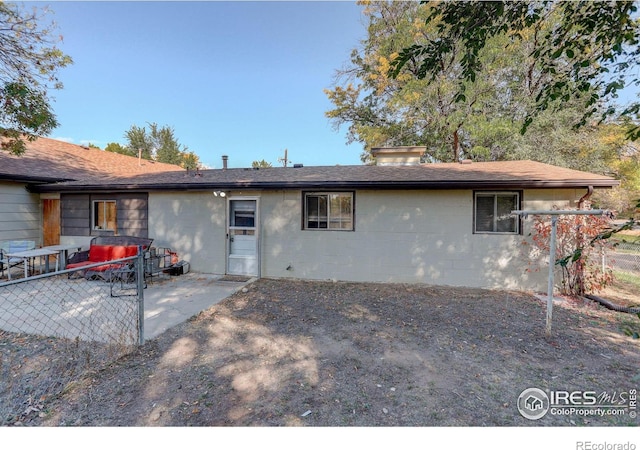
{"x":328,"y":211}
{"x":104,"y":215}
{"x":492,"y":212}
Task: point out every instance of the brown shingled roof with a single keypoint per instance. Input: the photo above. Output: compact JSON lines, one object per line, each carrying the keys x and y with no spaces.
{"x":47,"y":160}
{"x":481,"y":175}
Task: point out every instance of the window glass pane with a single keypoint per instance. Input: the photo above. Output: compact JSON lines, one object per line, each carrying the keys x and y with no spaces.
{"x":335,"y":212}
{"x":110,"y":215}
{"x":312,"y":206}
{"x":104,"y":215}
{"x":322,"y":207}
{"x":493,"y":212}
{"x":341,"y":212}
{"x":506,"y":222}
{"x":329,"y":211}
{"x":98,"y":216}
{"x":347,"y":207}
{"x":316,"y":211}
{"x":243,"y":213}
{"x":244,"y":219}
{"x":484,"y":213}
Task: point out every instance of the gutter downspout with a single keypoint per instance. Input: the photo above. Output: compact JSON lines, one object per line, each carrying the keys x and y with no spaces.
{"x":585,"y":197}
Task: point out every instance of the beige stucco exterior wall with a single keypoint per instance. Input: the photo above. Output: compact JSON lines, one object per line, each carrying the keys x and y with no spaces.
{"x":20,"y":213}
{"x":192,"y":224}
{"x":400,"y":236}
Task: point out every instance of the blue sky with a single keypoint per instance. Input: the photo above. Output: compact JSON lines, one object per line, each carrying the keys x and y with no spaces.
{"x":240,"y":78}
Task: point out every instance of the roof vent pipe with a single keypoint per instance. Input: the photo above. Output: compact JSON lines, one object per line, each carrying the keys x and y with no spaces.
{"x":225,"y":158}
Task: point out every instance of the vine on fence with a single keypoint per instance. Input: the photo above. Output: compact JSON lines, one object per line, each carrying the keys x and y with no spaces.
{"x":582,"y":240}
{"x":580,"y":246}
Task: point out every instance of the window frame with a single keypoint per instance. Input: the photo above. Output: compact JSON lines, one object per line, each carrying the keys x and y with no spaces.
{"x":495,"y":194}
{"x":103,"y":227}
{"x":327,"y":194}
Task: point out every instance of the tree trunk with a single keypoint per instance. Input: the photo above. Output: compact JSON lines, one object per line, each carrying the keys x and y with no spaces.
{"x":456,"y":145}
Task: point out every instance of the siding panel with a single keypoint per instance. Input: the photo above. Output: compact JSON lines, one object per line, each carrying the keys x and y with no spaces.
{"x":132,"y":214}
{"x":75,"y":214}
{"x":20,"y":215}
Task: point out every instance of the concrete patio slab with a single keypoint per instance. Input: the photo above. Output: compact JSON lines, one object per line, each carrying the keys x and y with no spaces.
{"x":169,"y":301}
{"x":97,"y":311}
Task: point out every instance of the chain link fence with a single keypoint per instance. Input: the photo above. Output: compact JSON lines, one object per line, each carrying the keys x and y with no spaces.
{"x":624,"y":261}
{"x":625,"y":258}
{"x":86,"y":323}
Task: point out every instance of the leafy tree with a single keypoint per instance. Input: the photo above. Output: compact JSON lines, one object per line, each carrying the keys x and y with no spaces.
{"x":138,"y":141}
{"x":625,"y":166}
{"x":384,"y":103}
{"x":190,"y":160}
{"x":117,"y":148}
{"x":29,"y":64}
{"x":552,"y":139}
{"x":261,"y":164}
{"x":159,"y":144}
{"x":588,"y":51}
{"x":478,"y":121}
{"x":167,"y":149}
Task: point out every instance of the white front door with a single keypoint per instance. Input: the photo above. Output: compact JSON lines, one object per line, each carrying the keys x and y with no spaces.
{"x":242,"y":236}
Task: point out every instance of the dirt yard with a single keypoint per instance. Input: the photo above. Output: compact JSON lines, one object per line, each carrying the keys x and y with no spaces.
{"x":293,"y":353}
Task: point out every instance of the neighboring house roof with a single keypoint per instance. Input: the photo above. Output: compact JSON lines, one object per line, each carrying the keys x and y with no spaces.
{"x":50,"y":160}
{"x":477,"y":175}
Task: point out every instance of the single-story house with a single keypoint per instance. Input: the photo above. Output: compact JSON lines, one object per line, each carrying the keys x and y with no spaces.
{"x":397,"y":221}
{"x":23,"y":213}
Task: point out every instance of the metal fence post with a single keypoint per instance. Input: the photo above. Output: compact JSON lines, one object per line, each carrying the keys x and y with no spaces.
{"x":140,"y":289}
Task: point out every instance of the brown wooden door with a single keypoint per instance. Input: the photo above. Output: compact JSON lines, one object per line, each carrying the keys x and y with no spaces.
{"x":51,"y":221}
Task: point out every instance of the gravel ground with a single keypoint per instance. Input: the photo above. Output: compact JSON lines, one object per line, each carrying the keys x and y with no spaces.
{"x":297,"y":353}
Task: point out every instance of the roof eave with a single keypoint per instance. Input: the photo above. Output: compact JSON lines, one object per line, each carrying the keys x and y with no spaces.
{"x":379,"y":185}
{"x":32,"y":179}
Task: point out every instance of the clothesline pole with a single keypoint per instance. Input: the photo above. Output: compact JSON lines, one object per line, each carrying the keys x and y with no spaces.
{"x":552,"y":263}
{"x":552,"y":248}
